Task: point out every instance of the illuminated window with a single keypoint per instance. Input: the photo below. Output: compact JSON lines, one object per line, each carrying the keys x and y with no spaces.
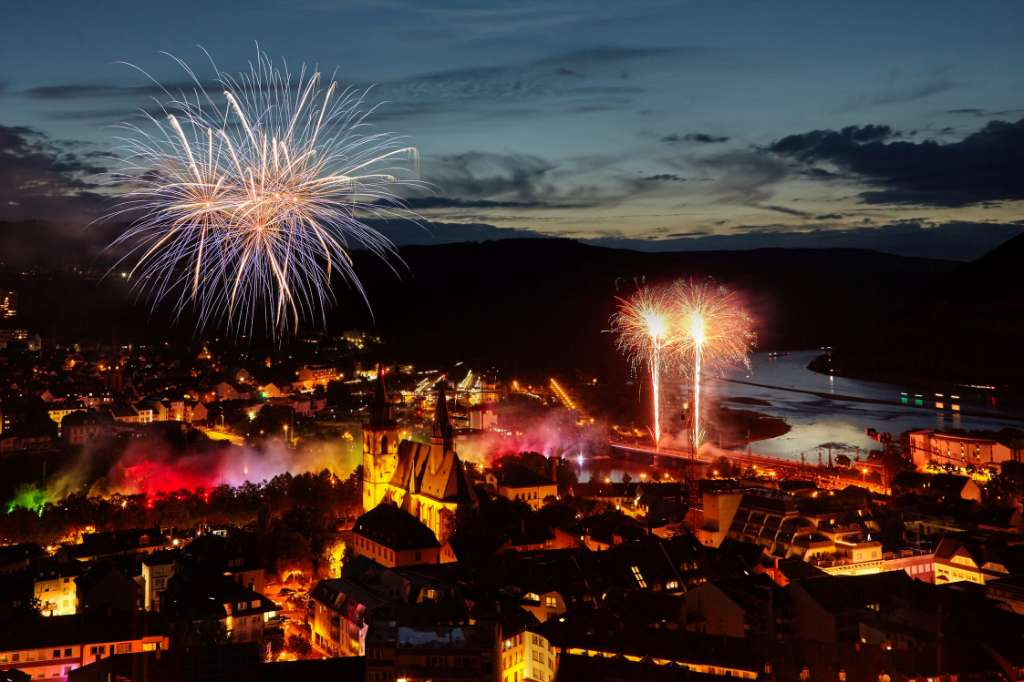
{"x":639,"y":576}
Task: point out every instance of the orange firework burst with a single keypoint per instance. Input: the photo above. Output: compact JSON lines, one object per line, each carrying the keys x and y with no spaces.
{"x":712,"y":331}
{"x":643,"y":327}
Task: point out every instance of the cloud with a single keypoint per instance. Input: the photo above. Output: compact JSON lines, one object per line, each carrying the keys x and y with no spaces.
{"x":823,"y":143}
{"x":435,"y":202}
{"x":786,"y":210}
{"x":74,"y":91}
{"x":985,"y":166}
{"x":664,"y":177}
{"x":42,"y":178}
{"x":485,"y":175}
{"x":951,"y":240}
{"x":698,"y":138}
{"x":910,"y":93}
{"x":590,"y":80}
{"x":743,"y":176}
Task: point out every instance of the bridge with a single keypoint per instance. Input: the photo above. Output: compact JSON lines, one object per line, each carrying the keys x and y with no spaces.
{"x":783,"y":468}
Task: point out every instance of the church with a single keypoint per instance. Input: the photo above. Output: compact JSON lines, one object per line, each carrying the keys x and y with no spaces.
{"x":427,"y":480}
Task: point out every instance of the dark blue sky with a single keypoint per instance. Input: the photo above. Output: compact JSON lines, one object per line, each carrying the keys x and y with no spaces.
{"x":643,"y":123}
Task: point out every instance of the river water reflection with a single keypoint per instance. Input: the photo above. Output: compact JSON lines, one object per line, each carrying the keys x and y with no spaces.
{"x":817,"y":420}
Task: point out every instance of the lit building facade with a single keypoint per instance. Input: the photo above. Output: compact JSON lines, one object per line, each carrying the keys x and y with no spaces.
{"x":427,"y":480}
{"x":928,"y":446}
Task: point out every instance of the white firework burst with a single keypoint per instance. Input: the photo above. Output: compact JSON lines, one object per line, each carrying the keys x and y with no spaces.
{"x":246,"y":196}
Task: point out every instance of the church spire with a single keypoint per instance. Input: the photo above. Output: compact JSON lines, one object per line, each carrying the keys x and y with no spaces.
{"x":381,"y":416}
{"x":443,"y":434}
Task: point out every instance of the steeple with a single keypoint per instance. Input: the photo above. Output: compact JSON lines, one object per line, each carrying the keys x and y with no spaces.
{"x":442,"y":424}
{"x":381,"y":416}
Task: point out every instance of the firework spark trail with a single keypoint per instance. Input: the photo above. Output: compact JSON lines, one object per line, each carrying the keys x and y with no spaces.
{"x":642,"y":327}
{"x":247,"y":207}
{"x":712,"y":331}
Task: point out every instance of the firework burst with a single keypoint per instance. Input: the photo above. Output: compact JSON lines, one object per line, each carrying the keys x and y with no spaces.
{"x":712,"y":331}
{"x":642,"y":327}
{"x":246,"y":199}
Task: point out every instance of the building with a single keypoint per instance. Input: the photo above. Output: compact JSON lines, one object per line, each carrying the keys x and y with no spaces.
{"x":597,"y":635}
{"x":342,"y":609}
{"x":114,"y":543}
{"x":79,"y":428}
{"x":517,"y":482}
{"x":963,"y":560}
{"x":527,"y":655}
{"x":408,"y":648}
{"x":720,"y":504}
{"x":830,"y":609}
{"x":157,"y":569}
{"x":59,"y":411}
{"x":8,"y":304}
{"x":428,"y":480}
{"x":54,"y":586}
{"x":928,"y":447}
{"x":212,"y":598}
{"x":50,"y":648}
{"x":939,"y":487}
{"x":108,"y":585}
{"x":311,"y":376}
{"x":391,"y":537}
{"x":380,"y":446}
{"x":737,"y":607}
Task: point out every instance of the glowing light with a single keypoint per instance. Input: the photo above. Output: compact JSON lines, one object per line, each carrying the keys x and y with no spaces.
{"x":714,"y":332}
{"x":245,"y":202}
{"x":642,"y":327}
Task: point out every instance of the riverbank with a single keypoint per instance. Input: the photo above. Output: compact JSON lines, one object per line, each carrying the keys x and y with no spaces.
{"x":735,"y":428}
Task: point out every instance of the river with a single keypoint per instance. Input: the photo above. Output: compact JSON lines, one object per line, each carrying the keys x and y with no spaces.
{"x":818,"y":412}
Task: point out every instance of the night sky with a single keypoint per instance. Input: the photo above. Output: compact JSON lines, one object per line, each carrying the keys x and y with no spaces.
{"x":654,"y":125}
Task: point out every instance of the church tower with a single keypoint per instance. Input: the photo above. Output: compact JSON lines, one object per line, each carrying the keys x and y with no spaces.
{"x":443,"y":434}
{"x":380,"y":446}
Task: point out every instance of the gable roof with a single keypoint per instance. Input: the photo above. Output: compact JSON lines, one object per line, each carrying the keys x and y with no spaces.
{"x":431,"y":469}
{"x":388,"y":525}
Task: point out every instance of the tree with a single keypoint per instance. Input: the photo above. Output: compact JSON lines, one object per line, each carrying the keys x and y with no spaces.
{"x":204,"y":633}
{"x":299,"y":646}
{"x":723,"y":466}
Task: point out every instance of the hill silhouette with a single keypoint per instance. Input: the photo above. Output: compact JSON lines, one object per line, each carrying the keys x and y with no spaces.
{"x":537,"y":306}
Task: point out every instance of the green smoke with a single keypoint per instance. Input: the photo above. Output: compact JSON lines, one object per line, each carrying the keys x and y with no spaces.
{"x":29,"y":497}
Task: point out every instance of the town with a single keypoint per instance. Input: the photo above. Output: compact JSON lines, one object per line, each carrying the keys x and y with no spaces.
{"x":317,"y":513}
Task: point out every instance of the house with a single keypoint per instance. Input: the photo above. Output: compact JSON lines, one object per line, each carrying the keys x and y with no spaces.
{"x":108,"y":585}
{"x":391,"y":537}
{"x":939,"y":487}
{"x":80,"y":428}
{"x":51,"y":648}
{"x":736,"y":607}
{"x":420,"y":641}
{"x":157,"y":569}
{"x":115,"y":542}
{"x":518,"y":482}
{"x":342,"y":608}
{"x":54,"y":586}
{"x":830,"y":609}
{"x":967,"y":560}
{"x":527,"y":655}
{"x":599,"y":636}
{"x":213,"y":598}
{"x":270,"y":390}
